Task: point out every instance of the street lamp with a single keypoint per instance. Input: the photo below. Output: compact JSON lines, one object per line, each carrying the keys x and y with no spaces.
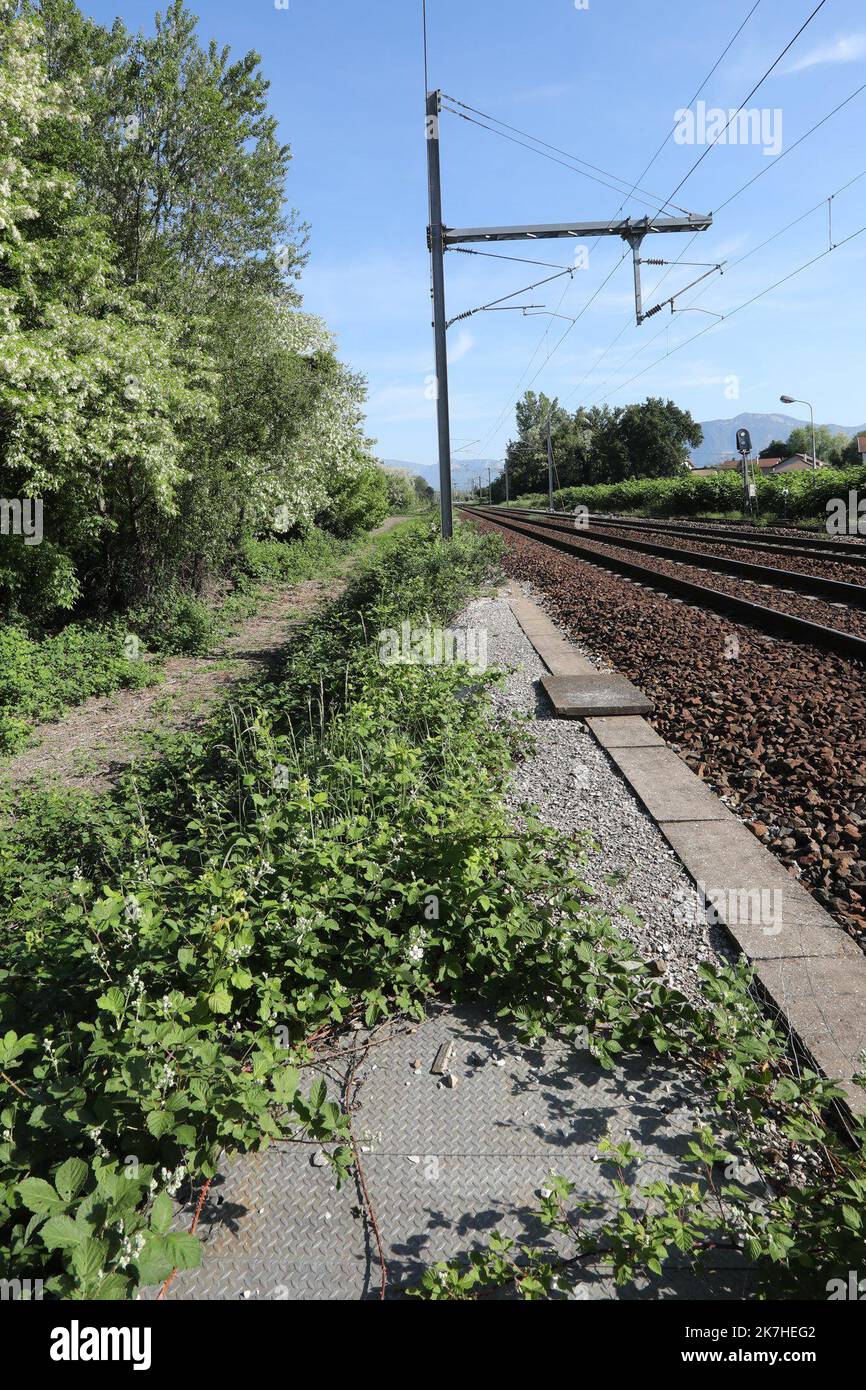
{"x":793,"y":400}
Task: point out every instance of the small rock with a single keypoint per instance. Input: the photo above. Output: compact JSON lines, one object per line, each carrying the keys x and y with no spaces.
{"x":319,"y":1159}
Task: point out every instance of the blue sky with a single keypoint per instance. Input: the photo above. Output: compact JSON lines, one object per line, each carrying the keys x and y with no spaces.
{"x":603,"y":83}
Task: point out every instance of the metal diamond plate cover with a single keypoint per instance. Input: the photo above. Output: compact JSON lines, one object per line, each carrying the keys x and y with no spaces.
{"x":445,"y":1165}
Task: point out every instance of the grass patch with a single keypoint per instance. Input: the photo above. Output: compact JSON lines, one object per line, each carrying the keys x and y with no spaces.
{"x":42,"y":678}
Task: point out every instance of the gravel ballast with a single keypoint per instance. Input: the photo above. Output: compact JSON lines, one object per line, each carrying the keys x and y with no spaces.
{"x":635,"y":876}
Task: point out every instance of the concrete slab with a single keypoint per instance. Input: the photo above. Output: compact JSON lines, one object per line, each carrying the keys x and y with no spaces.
{"x":667,"y":787}
{"x":768,"y":913}
{"x":557,"y":653}
{"x":809,"y":968}
{"x":781,"y":937}
{"x":625,"y":731}
{"x":602,"y":693}
{"x":726,"y":854}
{"x":824,"y":1001}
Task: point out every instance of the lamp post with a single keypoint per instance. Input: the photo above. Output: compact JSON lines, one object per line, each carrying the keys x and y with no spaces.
{"x":793,"y":400}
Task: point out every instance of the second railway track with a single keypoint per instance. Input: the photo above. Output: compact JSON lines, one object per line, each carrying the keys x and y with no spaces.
{"x":560,"y":533}
{"x":802,"y":543}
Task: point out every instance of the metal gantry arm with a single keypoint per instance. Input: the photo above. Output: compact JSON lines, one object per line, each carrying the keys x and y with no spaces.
{"x":440,"y":238}
{"x":626,"y":227}
{"x":632,"y":230}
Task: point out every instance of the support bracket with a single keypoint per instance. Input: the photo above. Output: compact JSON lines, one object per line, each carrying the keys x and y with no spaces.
{"x":631,"y":230}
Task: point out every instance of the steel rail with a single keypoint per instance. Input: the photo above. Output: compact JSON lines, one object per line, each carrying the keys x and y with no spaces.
{"x":806,"y":547}
{"x":836,"y":590}
{"x":806,"y":544}
{"x":769,"y":620}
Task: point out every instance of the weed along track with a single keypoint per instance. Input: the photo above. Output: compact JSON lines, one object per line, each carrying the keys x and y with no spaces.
{"x":424,"y":1040}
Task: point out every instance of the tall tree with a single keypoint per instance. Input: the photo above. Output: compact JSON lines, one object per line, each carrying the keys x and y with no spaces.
{"x":97,"y":393}
{"x":657,"y":436}
{"x":180,"y":152}
{"x":829,"y":447}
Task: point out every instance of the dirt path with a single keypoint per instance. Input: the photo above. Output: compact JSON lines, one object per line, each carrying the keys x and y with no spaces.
{"x":97,"y":739}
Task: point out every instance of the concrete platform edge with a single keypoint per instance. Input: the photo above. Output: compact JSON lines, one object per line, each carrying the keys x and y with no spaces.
{"x":815,"y":977}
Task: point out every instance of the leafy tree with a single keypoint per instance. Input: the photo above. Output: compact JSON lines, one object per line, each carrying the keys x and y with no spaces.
{"x":159,"y":386}
{"x":829,"y":446}
{"x":657,"y":437}
{"x":98,"y":394}
{"x":401,"y":494}
{"x":776,"y":449}
{"x":850,"y":456}
{"x":600,"y":445}
{"x":424,"y":493}
{"x":180,"y":153}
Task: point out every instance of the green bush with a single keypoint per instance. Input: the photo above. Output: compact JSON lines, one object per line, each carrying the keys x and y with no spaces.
{"x":356,"y":503}
{"x":36,"y":582}
{"x":401,"y":494}
{"x":175,"y":624}
{"x":315,"y":556}
{"x":259,"y":878}
{"x":713,"y":494}
{"x":40,"y":680}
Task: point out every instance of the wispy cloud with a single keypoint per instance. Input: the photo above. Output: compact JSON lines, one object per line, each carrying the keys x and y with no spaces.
{"x":465,"y":343}
{"x":848,"y":48}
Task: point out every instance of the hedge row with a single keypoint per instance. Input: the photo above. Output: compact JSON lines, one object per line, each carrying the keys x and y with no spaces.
{"x":716,"y":493}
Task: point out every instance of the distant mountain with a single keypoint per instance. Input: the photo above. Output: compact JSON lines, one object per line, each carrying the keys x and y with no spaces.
{"x":720,"y":436}
{"x":462,"y":470}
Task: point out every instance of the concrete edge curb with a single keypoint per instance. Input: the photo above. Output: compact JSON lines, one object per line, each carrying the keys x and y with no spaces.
{"x":810,"y":970}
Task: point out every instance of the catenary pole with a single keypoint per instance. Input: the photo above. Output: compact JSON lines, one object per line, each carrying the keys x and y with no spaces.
{"x":435,"y":241}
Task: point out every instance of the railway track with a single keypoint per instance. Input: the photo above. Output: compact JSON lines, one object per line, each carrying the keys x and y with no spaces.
{"x":852,"y":552}
{"x":820,"y":586}
{"x":775,"y":723}
{"x":584,"y":544}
